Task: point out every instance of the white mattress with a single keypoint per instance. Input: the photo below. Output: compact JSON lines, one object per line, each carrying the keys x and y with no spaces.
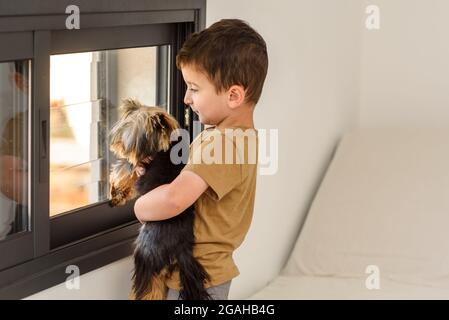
{"x":384,"y":201}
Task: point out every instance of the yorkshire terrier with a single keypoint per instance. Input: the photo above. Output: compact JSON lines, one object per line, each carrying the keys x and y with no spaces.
{"x":142,"y":138}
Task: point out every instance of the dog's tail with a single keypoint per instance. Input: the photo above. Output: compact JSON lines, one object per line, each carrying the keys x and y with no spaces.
{"x":193,"y":277}
{"x":148,"y":264}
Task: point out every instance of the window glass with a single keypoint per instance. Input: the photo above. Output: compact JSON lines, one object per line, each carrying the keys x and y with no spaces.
{"x":85,"y":92}
{"x":14,"y":147}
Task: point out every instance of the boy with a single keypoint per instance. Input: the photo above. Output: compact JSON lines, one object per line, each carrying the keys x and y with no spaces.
{"x":224,"y":67}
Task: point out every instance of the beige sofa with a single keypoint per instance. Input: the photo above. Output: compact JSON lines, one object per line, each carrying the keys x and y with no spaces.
{"x":378,"y":227}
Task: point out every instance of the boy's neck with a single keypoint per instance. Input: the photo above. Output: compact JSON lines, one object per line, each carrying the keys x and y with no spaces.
{"x":243,"y":119}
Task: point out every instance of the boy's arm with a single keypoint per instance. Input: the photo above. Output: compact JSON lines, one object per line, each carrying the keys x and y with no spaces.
{"x":169,"y":200}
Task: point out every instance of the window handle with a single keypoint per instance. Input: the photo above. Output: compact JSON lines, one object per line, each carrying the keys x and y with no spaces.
{"x":44,"y":139}
{"x":43,"y":146}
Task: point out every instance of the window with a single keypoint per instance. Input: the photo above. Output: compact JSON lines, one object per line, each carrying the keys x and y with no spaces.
{"x":59,"y":96}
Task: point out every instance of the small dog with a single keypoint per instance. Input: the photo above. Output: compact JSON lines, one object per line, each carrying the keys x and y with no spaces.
{"x":142,"y":138}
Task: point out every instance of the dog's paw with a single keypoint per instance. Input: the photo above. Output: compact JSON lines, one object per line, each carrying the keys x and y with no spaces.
{"x":115,"y":202}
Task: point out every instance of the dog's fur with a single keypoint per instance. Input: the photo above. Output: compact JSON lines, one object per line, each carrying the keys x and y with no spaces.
{"x":142,"y":138}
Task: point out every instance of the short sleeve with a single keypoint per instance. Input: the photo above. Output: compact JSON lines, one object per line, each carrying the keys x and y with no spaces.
{"x":221,"y":177}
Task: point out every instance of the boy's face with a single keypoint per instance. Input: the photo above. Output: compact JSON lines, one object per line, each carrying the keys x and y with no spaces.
{"x":201,"y":96}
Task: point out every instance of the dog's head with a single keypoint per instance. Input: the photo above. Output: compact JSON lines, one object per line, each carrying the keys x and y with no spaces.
{"x":141,"y":132}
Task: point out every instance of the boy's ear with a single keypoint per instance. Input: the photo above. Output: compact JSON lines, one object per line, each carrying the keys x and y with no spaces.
{"x":236,"y":96}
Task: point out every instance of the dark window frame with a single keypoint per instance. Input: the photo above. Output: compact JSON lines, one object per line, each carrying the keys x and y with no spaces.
{"x":35,"y":260}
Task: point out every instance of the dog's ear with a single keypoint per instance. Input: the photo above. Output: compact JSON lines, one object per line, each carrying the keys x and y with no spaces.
{"x":162,"y":125}
{"x":116,"y":138}
{"x":122,"y":179}
{"x":128,"y":106}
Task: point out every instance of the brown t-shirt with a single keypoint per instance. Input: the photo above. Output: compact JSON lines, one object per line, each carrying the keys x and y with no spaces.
{"x":223,"y":213}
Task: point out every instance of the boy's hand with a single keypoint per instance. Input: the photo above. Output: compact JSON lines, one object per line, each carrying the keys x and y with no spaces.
{"x":139,"y":171}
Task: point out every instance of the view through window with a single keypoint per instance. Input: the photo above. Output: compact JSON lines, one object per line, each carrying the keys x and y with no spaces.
{"x":86,"y":90}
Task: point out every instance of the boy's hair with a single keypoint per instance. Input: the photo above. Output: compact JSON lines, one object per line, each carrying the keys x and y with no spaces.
{"x":229,"y":52}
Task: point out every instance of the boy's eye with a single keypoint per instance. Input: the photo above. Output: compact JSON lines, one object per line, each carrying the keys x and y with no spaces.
{"x":193,"y":90}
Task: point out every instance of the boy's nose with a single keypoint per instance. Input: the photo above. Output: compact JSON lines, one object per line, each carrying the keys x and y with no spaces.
{"x":187,"y":98}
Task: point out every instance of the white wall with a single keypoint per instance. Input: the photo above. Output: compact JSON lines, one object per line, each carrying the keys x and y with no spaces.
{"x":111,"y":282}
{"x":311,"y":96}
{"x":405,"y":65}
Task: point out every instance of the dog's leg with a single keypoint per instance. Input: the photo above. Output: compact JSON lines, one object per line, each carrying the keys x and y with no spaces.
{"x":157,"y":291}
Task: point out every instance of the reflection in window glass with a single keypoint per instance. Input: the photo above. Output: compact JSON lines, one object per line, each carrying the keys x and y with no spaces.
{"x":14,"y":148}
{"x":85,"y":91}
